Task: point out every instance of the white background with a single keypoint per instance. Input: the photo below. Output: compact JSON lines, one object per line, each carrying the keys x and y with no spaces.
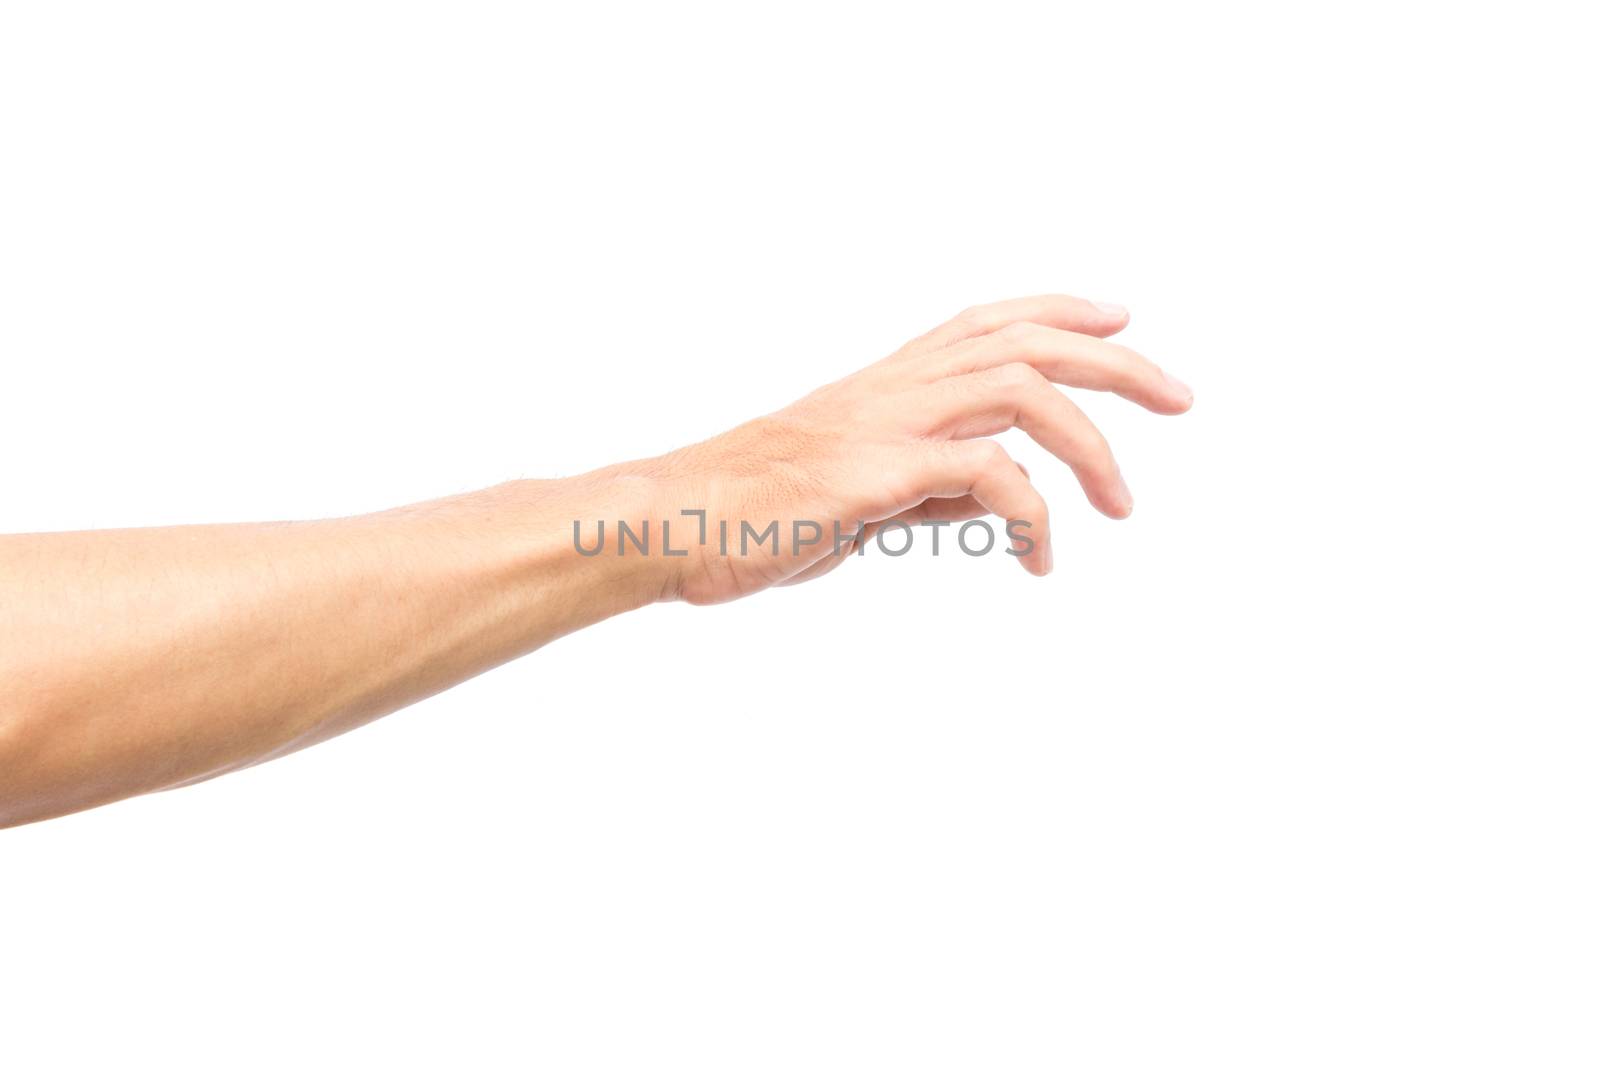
{"x":1298,"y":765}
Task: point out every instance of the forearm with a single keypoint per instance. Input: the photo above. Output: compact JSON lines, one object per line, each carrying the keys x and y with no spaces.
{"x":136,"y":660}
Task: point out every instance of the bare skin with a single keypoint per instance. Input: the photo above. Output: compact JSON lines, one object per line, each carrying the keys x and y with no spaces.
{"x":139,"y":660}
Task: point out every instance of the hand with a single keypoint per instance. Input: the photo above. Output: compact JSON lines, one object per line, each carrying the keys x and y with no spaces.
{"x":900,"y":440}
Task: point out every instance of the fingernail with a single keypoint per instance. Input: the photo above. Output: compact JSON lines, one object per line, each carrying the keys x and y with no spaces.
{"x":1178,"y":385}
{"x":1105,"y":307}
{"x":1124,"y":495}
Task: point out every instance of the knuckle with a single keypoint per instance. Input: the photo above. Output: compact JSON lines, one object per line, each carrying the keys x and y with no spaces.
{"x":1091,"y":450}
{"x":1018,"y":378}
{"x":976,"y":452}
{"x":1017,"y":333}
{"x":1100,"y":459}
{"x":1130,"y":362}
{"x":992,"y":458}
{"x":1095,"y":445}
{"x":976,"y":317}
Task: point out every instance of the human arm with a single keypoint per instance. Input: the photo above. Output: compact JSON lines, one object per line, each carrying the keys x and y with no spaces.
{"x":137,"y":660}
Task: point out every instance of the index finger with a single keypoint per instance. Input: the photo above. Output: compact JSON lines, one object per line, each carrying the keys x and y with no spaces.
{"x":1056,"y":310}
